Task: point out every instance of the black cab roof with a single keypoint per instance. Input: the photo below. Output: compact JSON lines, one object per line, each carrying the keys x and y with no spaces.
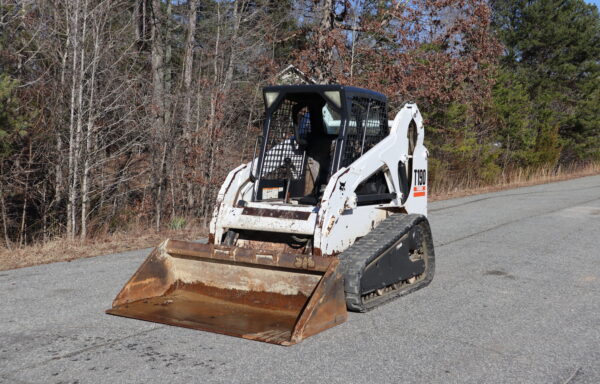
{"x":344,"y":89}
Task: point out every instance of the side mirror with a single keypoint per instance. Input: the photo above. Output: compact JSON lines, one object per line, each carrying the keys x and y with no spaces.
{"x":257,"y":145}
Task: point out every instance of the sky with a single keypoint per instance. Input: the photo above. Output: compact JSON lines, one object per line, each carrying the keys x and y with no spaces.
{"x":597,"y":2}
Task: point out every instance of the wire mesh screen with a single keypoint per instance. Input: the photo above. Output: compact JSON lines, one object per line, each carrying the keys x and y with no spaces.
{"x":281,"y":143}
{"x":367,"y":126}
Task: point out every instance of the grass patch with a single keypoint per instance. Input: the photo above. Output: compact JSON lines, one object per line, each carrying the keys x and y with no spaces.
{"x":61,"y":249}
{"x":443,"y":188}
{"x":446,"y":187}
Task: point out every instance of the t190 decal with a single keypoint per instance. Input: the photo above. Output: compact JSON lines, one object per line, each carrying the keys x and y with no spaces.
{"x":420,"y":176}
{"x":420,"y":183}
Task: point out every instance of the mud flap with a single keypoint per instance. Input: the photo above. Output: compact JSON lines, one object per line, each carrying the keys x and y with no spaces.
{"x":258,"y":295}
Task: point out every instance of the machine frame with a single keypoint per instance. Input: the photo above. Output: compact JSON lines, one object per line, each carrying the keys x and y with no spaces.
{"x":341,"y":216}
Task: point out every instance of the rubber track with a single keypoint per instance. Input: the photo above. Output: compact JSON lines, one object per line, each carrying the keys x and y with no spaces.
{"x":362,"y":252}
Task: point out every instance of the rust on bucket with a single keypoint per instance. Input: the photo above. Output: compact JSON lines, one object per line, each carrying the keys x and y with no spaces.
{"x":251,"y":293}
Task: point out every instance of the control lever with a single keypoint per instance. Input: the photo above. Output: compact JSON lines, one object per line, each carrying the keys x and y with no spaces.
{"x":289,"y":168}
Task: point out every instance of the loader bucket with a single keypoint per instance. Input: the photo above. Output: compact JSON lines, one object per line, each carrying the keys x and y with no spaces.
{"x":259,"y":295}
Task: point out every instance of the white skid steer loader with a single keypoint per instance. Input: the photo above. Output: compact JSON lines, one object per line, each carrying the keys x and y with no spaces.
{"x":329,"y":215}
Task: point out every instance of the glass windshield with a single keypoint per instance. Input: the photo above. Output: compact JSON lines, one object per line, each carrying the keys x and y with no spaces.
{"x":331,"y":120}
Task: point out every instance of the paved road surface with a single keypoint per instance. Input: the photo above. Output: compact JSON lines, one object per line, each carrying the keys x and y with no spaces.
{"x":516,"y":299}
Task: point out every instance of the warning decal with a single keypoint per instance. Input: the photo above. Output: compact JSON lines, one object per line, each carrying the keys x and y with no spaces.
{"x":271,"y":193}
{"x":420,"y":191}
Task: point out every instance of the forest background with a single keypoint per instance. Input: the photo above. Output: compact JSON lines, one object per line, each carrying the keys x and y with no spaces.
{"x":122,"y":114}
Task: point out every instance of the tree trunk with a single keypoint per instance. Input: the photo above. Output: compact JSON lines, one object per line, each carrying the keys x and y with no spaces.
{"x":324,"y":67}
{"x":237,"y":20}
{"x":4,"y":219}
{"x":85,"y":183}
{"x":188,"y":62}
{"x":22,"y":234}
{"x":75,"y":188}
{"x":72,"y":176}
{"x":137,"y":14}
{"x":158,"y":106}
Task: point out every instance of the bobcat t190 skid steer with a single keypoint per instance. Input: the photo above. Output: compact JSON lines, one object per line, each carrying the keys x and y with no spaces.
{"x":329,"y":215}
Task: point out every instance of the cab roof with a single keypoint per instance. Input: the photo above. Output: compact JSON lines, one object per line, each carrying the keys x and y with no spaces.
{"x":313,"y":88}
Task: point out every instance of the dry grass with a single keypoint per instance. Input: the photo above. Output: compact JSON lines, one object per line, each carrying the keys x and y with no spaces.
{"x":452,"y":187}
{"x":61,"y":249}
{"x":445,"y":188}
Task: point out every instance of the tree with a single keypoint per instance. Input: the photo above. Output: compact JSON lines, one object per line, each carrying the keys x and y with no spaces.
{"x":439,"y":54}
{"x":115,"y":112}
{"x":513,"y":109}
{"x":553,"y":47}
{"x":13,"y":126}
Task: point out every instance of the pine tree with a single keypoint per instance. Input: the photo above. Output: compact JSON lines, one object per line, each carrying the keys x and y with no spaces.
{"x":12,"y":123}
{"x":553,"y":49}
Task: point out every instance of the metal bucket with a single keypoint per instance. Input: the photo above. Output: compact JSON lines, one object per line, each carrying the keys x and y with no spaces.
{"x":255,"y":294}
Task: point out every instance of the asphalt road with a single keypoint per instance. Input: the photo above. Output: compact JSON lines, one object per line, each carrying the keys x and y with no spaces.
{"x":516,"y":299}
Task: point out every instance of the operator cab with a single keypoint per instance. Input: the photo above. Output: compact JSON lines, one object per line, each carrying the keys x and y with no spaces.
{"x":311,"y":131}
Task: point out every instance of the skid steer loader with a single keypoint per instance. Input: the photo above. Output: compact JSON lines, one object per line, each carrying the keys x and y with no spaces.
{"x":329,"y":215}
